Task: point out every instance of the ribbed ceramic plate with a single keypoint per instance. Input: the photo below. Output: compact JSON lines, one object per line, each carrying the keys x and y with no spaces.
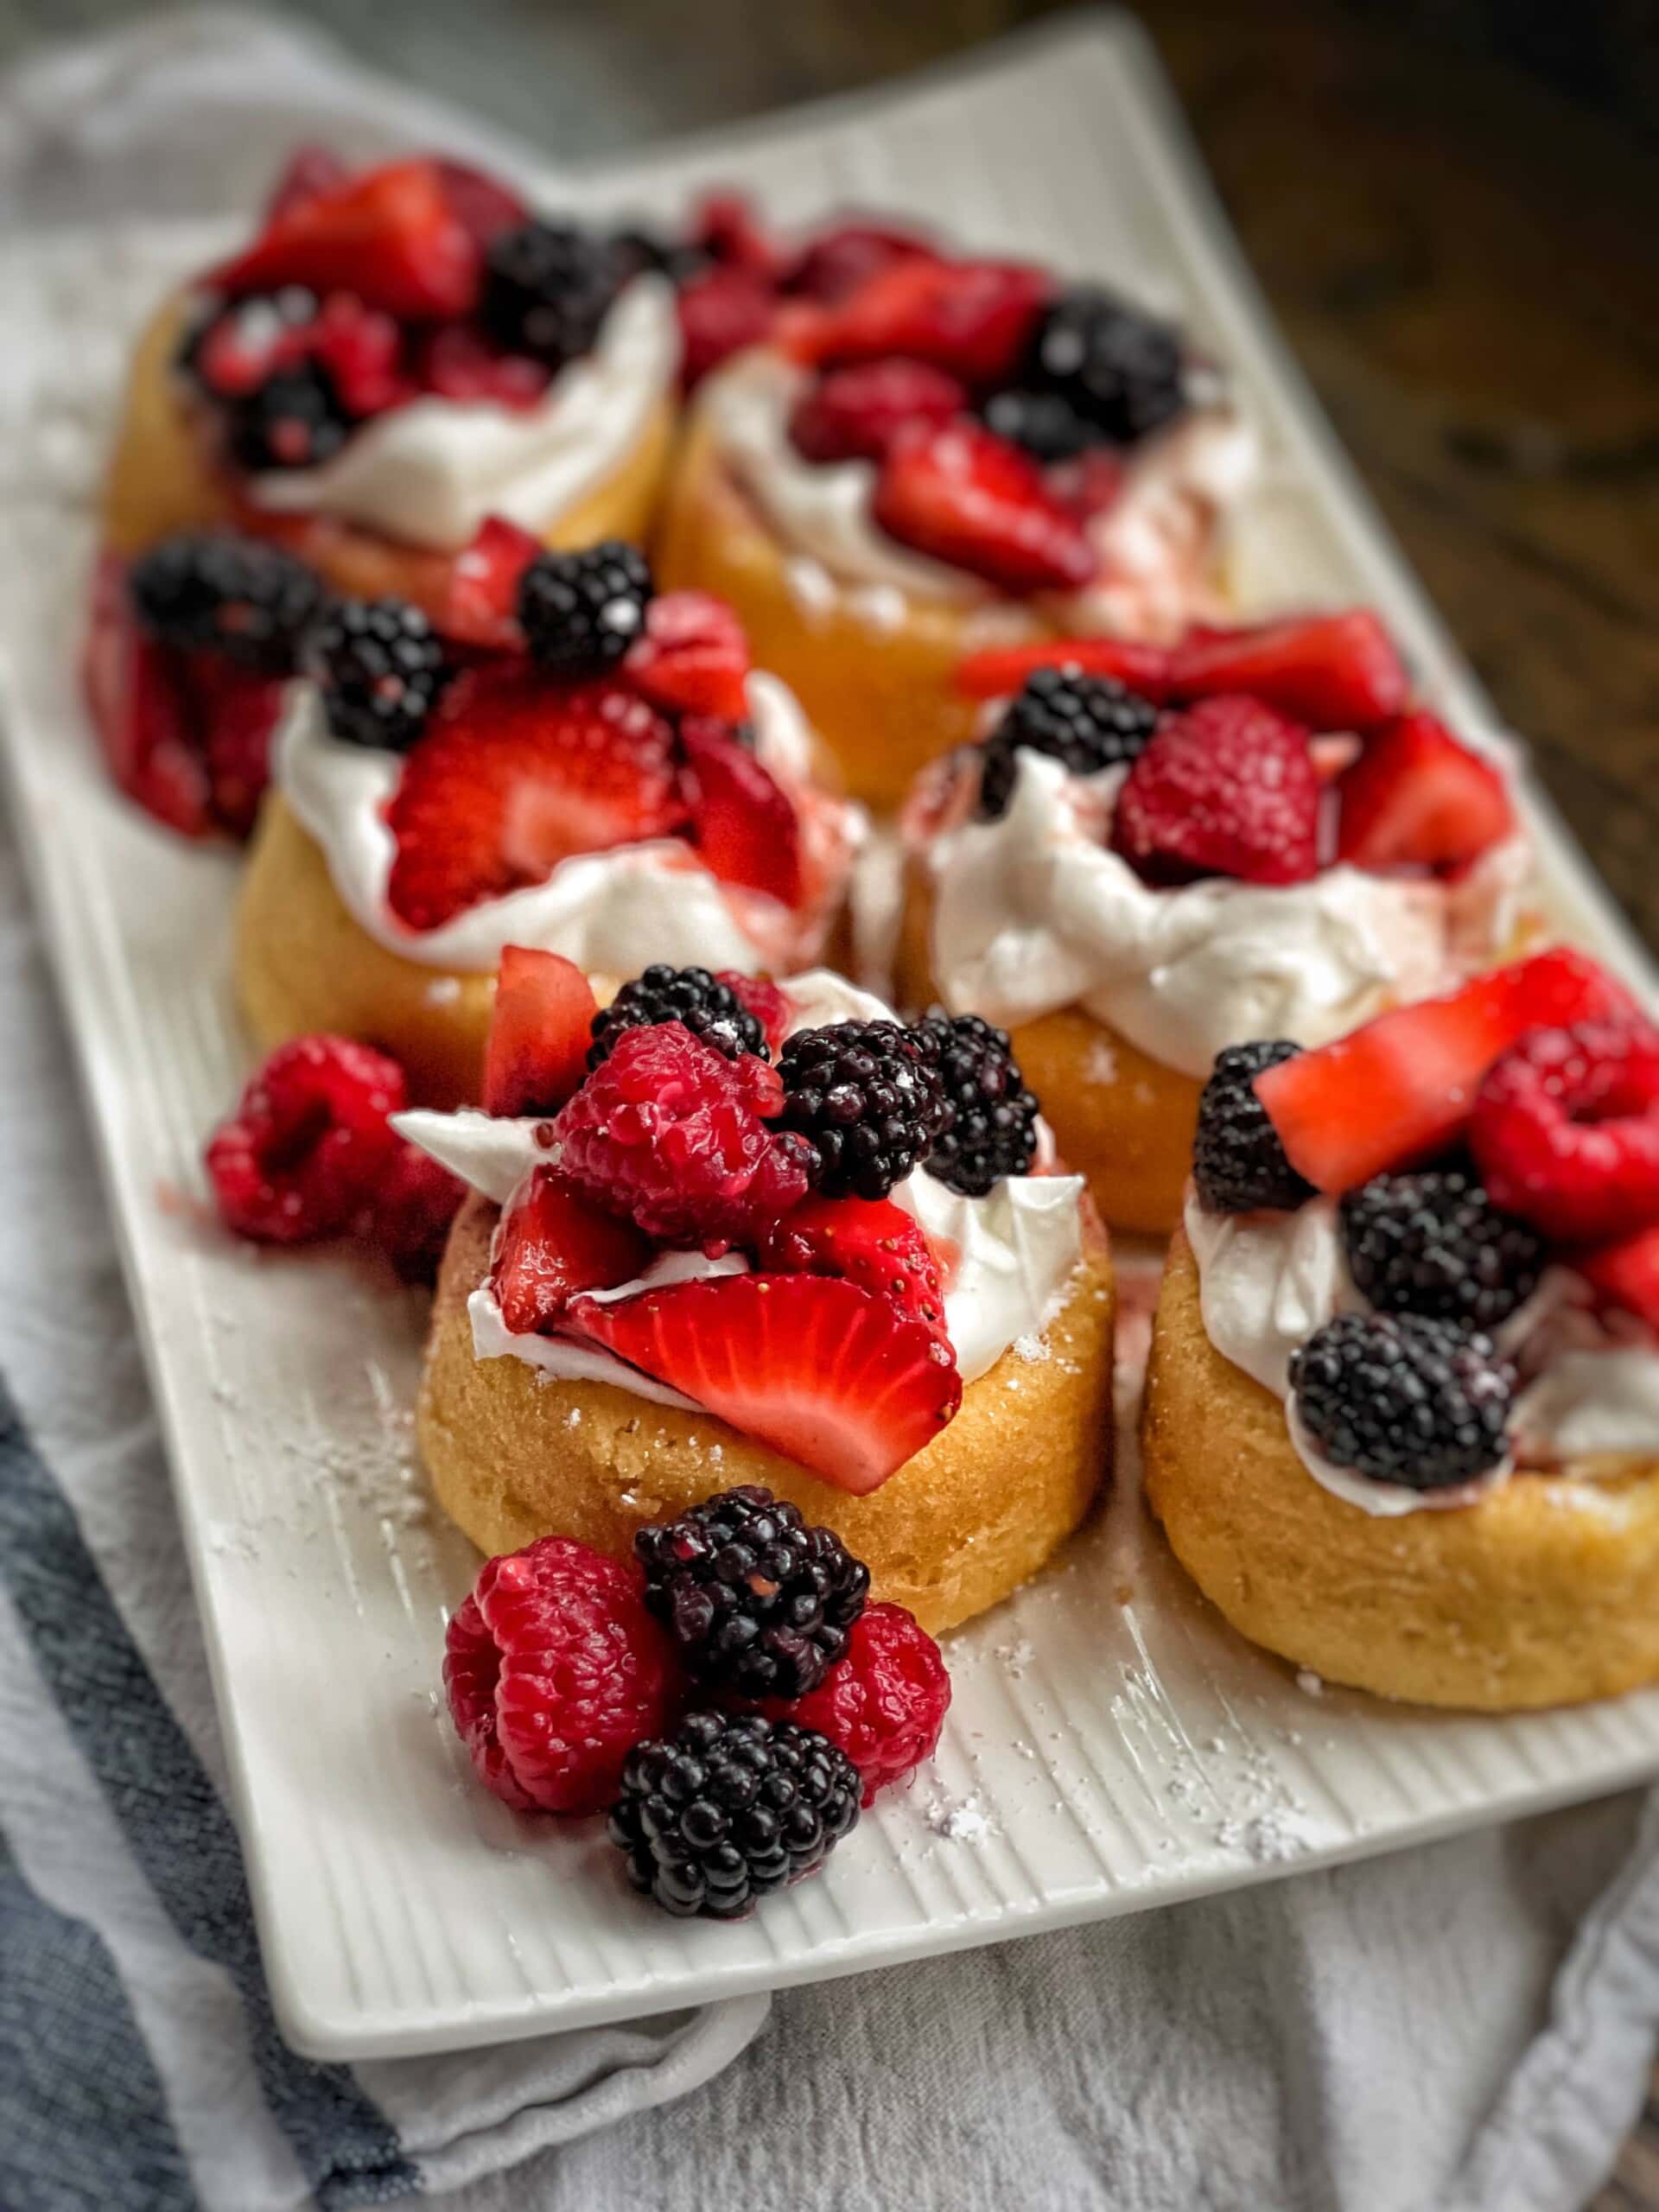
{"x":1112,"y":1745}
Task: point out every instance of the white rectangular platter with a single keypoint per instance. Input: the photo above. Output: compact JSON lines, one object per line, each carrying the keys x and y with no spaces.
{"x":1112,"y":1745}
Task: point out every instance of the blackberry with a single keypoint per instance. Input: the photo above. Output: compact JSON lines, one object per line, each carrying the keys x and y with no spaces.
{"x":380,"y":668}
{"x":756,"y":1601}
{"x":646,"y":251}
{"x":1045,"y":422}
{"x":1088,"y":721}
{"x":1238,"y":1163}
{"x":728,"y":1808}
{"x":992,"y":1131}
{"x":547,"y":287}
{"x":584,"y":610}
{"x":1118,"y":369}
{"x":294,"y":420}
{"x":709,"y":1008}
{"x":1434,"y":1244}
{"x":213,"y":590}
{"x":1403,"y":1399}
{"x":867,"y":1098}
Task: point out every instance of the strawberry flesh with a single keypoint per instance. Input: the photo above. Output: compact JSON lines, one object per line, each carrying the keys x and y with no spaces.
{"x":999,"y":671}
{"x":391,"y":236}
{"x":974,"y":318}
{"x":869,"y":1242}
{"x":854,"y":414}
{"x":553,"y":1243}
{"x":959,"y":493}
{"x":692,"y":657}
{"x":1416,"y":798}
{"x":481,"y":601}
{"x":837,"y":260}
{"x":540,"y":1029}
{"x":1332,"y":671}
{"x":1626,"y":1274}
{"x":310,"y":173}
{"x":721,"y":313}
{"x":743,"y":822}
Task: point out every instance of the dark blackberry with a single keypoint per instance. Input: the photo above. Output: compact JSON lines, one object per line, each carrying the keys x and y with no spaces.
{"x":1118,"y":369}
{"x":1434,"y":1244}
{"x":583,"y":610}
{"x":728,"y":1808}
{"x":1088,"y":721}
{"x":214,"y":590}
{"x":380,"y":668}
{"x":868,"y":1099}
{"x":1045,"y":422}
{"x":1238,"y":1163}
{"x":646,"y":251}
{"x":294,"y":420}
{"x":547,"y":287}
{"x":992,"y":1131}
{"x":707,"y":1008}
{"x":757,"y":1602}
{"x":1402,"y":1399}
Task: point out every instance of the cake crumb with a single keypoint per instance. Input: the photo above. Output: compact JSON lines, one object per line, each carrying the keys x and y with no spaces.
{"x":964,"y":1821}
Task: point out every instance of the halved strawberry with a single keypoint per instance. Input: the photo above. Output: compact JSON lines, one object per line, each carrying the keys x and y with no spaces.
{"x":553,"y":1243}
{"x":1627,"y":1273}
{"x":516,"y":773}
{"x":956,"y":492}
{"x":1416,"y":798}
{"x":480,"y":602}
{"x":308,"y":174}
{"x":540,"y":1029}
{"x":855,"y":413}
{"x":832,"y":1378}
{"x":236,"y":714}
{"x":692,"y":656}
{"x":720,"y":313}
{"x":869,"y":1242}
{"x":135,"y":692}
{"x":999,"y":671}
{"x":1332,"y":671}
{"x":973,"y":318}
{"x":391,"y":236}
{"x":843,"y":256}
{"x":1400,"y":1088}
{"x":743,"y":822}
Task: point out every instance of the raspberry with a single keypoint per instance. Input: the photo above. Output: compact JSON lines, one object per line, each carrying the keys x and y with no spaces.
{"x":306,"y":1149}
{"x":722,"y":311}
{"x":867,"y":1098}
{"x":1226,"y":787}
{"x":669,"y":1134}
{"x":1238,"y":1162}
{"x":553,"y":1669}
{"x":755,"y":1601}
{"x":1565,"y":1129}
{"x":1088,"y":722}
{"x":547,"y":287}
{"x":1120,"y":370}
{"x":1434,"y":1243}
{"x":731,"y":1806}
{"x":884,"y":1703}
{"x":380,"y":669}
{"x":213,"y":590}
{"x":582,"y":611}
{"x":854,"y":414}
{"x":410,"y":1211}
{"x":1403,"y":1400}
{"x":992,"y":1131}
{"x":700,"y":1002}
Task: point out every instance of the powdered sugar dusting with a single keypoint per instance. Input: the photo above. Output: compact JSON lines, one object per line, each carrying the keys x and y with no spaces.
{"x":963,"y":1820}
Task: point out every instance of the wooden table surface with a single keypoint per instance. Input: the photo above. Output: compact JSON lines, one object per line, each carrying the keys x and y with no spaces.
{"x":1466,"y":260}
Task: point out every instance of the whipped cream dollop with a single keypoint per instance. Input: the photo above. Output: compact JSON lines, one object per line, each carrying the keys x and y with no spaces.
{"x":1589,"y":1397}
{"x":613,"y":912}
{"x":431,"y":472}
{"x":1155,"y":542}
{"x":1007,"y":1258}
{"x":1033,"y":911}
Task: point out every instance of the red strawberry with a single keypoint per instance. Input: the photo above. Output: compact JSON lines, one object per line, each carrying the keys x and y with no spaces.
{"x":762,"y":998}
{"x":726,"y":227}
{"x":818,"y":1369}
{"x":236,"y":715}
{"x":721,"y":312}
{"x":869,"y":1242}
{"x":390,"y":235}
{"x":481,"y":606}
{"x":837,"y":260}
{"x":516,"y":773}
{"x":540,"y":1029}
{"x":692,"y":657}
{"x":1402,"y":1087}
{"x":965,"y":496}
{"x":136,"y":695}
{"x":1226,"y":787}
{"x":742,"y":821}
{"x":854,"y":414}
{"x":1092,"y":484}
{"x":1332,"y":671}
{"x":999,"y":671}
{"x":1416,"y":798}
{"x":485,"y":206}
{"x":973,"y":318}
{"x":309,"y":174}
{"x":1627,"y":1273}
{"x":552,"y":1243}
{"x":458,"y":361}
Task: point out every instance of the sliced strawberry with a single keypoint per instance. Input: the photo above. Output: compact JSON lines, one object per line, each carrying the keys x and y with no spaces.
{"x":310,"y":173}
{"x":459,"y":361}
{"x":516,"y":773}
{"x":1627,"y":1273}
{"x":836,"y":260}
{"x":1000,"y":671}
{"x":692,"y":656}
{"x":832,"y":1378}
{"x":1416,"y":798}
{"x":553,"y":1243}
{"x":1400,"y":1088}
{"x":958,"y":492}
{"x":869,"y":1242}
{"x":854,"y":414}
{"x":973,"y":318}
{"x":486,"y":207}
{"x":391,"y":236}
{"x":1332,"y":671}
{"x":721,"y":312}
{"x":762,"y":998}
{"x":481,"y":604}
{"x":136,"y":695}
{"x":540,"y":1029}
{"x":725,"y":226}
{"x":236,"y":714}
{"x":742,"y":821}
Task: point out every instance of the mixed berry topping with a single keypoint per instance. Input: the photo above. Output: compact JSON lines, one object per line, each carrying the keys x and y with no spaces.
{"x":868,"y":1099}
{"x":379,"y":667}
{"x":757,"y":1602}
{"x":217,"y":591}
{"x":1238,"y":1162}
{"x":707,"y":1005}
{"x":1431,"y":1241}
{"x":581,"y":611}
{"x":991,"y":1126}
{"x":1403,"y":1399}
{"x":1088,"y":722}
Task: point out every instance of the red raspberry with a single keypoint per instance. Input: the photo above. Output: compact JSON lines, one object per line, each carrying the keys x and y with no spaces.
{"x":1226,"y":787}
{"x":553,"y":1671}
{"x":884,"y":1701}
{"x":671,"y":1134}
{"x":721,"y":312}
{"x":1566,"y":1130}
{"x":306,"y":1148}
{"x":409,"y":1214}
{"x":762,"y":997}
{"x":854,"y":414}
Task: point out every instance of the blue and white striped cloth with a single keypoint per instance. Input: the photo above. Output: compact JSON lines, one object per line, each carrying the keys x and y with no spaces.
{"x":1467,"y":2027}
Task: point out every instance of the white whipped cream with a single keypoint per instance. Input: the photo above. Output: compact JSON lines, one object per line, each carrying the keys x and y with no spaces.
{"x":1267,"y":1281}
{"x":612,"y":913}
{"x":1008,"y":1257}
{"x":431,"y":472}
{"x":1157,"y":541}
